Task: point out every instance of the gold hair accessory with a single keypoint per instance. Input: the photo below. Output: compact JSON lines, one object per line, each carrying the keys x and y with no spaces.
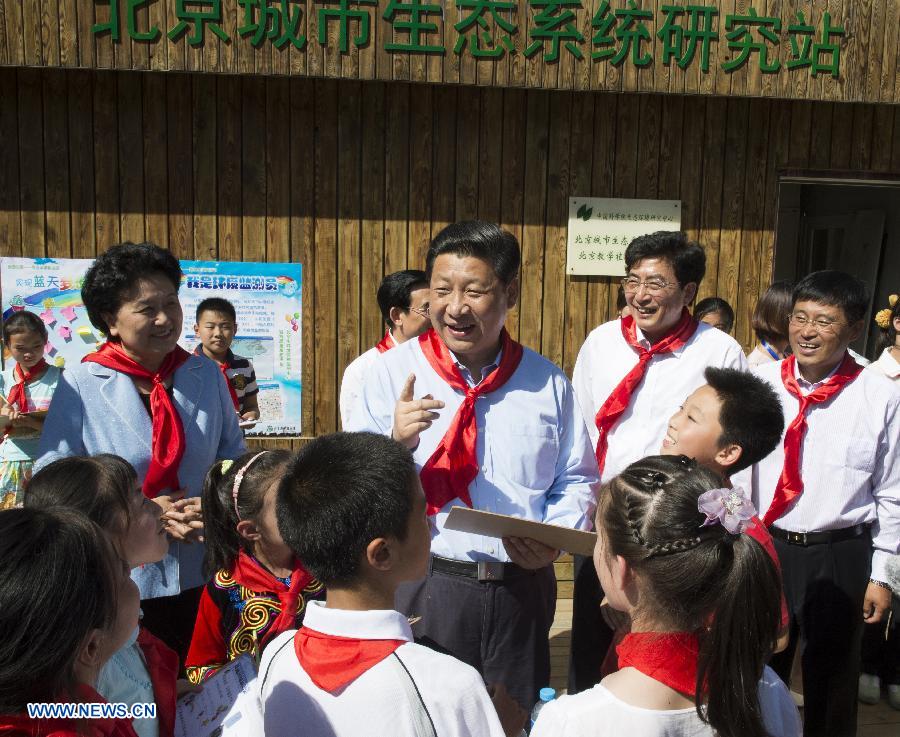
{"x":883,"y":317}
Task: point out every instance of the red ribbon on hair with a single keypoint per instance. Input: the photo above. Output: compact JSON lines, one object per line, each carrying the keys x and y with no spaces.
{"x":167,"y":443}
{"x":667,"y":657}
{"x":454,"y":464}
{"x":790,"y":484}
{"x":332,"y":661}
{"x":386,"y":343}
{"x":617,"y":402}
{"x":17,"y":395}
{"x":251,"y":575}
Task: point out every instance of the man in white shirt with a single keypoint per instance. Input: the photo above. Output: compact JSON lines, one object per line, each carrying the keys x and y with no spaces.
{"x":630,"y":377}
{"x":831,"y":495}
{"x":498,"y":429}
{"x":403,"y":301}
{"x":351,"y":507}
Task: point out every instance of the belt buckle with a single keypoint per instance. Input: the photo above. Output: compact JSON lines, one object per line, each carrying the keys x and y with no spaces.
{"x":797,"y":538}
{"x":489,"y":570}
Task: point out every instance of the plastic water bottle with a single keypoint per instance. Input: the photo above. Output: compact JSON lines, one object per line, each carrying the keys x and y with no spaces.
{"x":546,"y":695}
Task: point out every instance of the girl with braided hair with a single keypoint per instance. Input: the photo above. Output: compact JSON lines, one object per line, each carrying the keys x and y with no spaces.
{"x":703,"y":599}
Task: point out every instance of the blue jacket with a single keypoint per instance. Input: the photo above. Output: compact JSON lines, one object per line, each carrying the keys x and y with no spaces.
{"x":97,"y":410}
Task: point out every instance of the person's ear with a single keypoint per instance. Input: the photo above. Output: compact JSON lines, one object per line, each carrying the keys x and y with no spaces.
{"x":512,"y":293}
{"x":248,"y":530}
{"x":379,"y":554}
{"x":855,"y":330}
{"x":396,"y":315}
{"x":690,"y":291}
{"x":623,"y":574}
{"x":90,"y":654}
{"x":196,"y":329}
{"x":728,"y":455}
{"x":110,"y":327}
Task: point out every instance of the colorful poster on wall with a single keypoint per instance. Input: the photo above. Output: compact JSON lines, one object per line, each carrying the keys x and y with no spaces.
{"x":601,"y":228}
{"x":267,"y":299}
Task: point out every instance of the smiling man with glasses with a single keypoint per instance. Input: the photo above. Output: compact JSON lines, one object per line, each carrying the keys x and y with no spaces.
{"x":631,"y":375}
{"x":403,"y":301}
{"x":830,"y":493}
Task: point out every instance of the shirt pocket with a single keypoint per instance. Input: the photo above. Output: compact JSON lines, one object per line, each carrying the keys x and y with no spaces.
{"x":527,"y":455}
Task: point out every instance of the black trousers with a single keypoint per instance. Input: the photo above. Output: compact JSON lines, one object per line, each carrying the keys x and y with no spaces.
{"x":881,"y":648}
{"x":825,"y":586}
{"x":502,"y":629}
{"x":172,"y":618}
{"x":591,"y":636}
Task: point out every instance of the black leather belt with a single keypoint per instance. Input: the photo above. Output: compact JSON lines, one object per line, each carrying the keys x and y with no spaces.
{"x":483,"y":570}
{"x":819,"y":538}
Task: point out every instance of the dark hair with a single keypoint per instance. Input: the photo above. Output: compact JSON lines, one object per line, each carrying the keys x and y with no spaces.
{"x":836,"y":289}
{"x":487,"y":241}
{"x":723,"y":587}
{"x":770,"y":316}
{"x":339,"y":493}
{"x":395,"y":290}
{"x":715,"y":304}
{"x":114,"y":276}
{"x":58,"y":582}
{"x":223,"y":542}
{"x":888,"y":335}
{"x":23,"y":322}
{"x":216,"y":304}
{"x":100,"y":487}
{"x":621,"y":300}
{"x":750,"y":414}
{"x":687,"y":257}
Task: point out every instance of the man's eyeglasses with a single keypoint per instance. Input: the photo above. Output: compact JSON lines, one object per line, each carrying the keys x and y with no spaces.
{"x":423,"y":311}
{"x":653,"y":286}
{"x":822,"y":325}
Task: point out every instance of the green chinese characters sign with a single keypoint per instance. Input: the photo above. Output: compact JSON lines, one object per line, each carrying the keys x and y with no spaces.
{"x":625,"y":32}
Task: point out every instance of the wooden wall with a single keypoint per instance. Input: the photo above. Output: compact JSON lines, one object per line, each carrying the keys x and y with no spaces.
{"x":352,"y":179}
{"x":57,"y":33}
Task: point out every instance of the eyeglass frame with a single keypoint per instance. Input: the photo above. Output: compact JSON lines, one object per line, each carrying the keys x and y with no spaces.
{"x":646,"y":284}
{"x":823,"y":326}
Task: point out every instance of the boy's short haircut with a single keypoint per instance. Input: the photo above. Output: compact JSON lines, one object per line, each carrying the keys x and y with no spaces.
{"x":338,"y":494}
{"x":836,"y":289}
{"x":396,"y":291}
{"x":686,"y":256}
{"x":750,"y":414}
{"x":216,"y":304}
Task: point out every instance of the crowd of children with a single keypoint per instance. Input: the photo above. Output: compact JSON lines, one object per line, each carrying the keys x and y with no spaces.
{"x":761,"y":513}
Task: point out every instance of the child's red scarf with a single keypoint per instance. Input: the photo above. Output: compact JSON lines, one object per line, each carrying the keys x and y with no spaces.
{"x":667,"y":657}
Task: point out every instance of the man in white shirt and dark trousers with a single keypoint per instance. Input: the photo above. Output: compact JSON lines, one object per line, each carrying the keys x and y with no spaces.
{"x":403,"y":301}
{"x":631,"y":375}
{"x":497,"y":429}
{"x":831,"y":495}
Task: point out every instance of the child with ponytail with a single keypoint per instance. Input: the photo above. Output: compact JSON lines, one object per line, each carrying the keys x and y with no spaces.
{"x":703,"y":598}
{"x":258,"y":588}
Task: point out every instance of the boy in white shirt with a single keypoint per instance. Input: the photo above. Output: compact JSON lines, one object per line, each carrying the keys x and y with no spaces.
{"x":352,"y":508}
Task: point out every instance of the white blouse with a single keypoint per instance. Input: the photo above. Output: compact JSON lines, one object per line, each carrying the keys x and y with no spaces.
{"x":887,"y":365}
{"x":599,"y":713}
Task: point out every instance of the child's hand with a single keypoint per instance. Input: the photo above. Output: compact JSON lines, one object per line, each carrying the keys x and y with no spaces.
{"x":184,"y":520}
{"x":10,"y":412}
{"x":165,"y":501}
{"x":250,"y":415}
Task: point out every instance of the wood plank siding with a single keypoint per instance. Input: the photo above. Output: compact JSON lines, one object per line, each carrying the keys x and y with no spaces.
{"x":352,"y":179}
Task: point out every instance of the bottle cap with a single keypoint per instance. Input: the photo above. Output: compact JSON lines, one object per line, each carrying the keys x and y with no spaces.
{"x":547,"y":694}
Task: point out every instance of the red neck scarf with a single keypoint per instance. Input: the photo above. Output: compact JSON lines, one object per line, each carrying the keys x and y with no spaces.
{"x":790,"y":485}
{"x":385,"y":344}
{"x":167,"y":442}
{"x":667,"y":657}
{"x":17,"y":394}
{"x":617,"y":402}
{"x":251,"y":575}
{"x":332,"y":661}
{"x":454,"y":465}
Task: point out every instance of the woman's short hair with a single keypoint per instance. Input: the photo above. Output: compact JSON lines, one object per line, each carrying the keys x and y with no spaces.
{"x":114,"y":276}
{"x":770,"y":316}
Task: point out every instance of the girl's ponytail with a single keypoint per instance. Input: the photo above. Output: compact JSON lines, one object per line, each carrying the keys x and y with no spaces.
{"x":731,"y":660}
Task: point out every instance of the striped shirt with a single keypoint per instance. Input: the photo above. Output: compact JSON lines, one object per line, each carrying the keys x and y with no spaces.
{"x":240,"y":373}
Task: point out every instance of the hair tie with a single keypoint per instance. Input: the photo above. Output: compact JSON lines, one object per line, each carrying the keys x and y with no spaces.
{"x":727,"y":507}
{"x":239,"y":476}
{"x":225,"y":465}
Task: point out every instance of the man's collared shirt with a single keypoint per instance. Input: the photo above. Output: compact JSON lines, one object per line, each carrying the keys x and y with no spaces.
{"x":452,"y":692}
{"x":606,"y":358}
{"x":533,"y":451}
{"x":850,"y":462}
{"x":354,"y":377}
